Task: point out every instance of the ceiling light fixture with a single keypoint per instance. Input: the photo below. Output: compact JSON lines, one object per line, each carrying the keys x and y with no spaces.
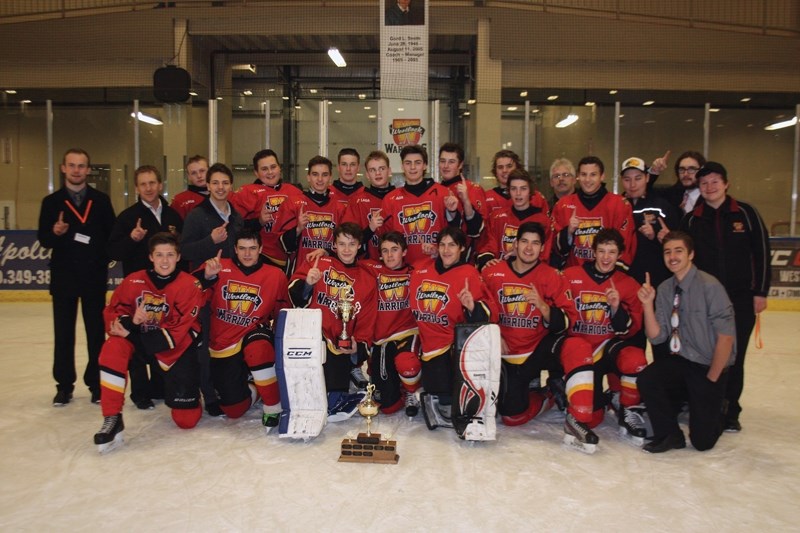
{"x":512,"y":108}
{"x":471,"y":101}
{"x":245,"y":66}
{"x":192,"y":93}
{"x":552,"y":97}
{"x":568,"y":121}
{"x":782,"y":124}
{"x":649,"y":102}
{"x":612,"y":91}
{"x":336,"y":57}
{"x":523,"y":94}
{"x":247,"y":92}
{"x":745,"y":99}
{"x":147,"y":118}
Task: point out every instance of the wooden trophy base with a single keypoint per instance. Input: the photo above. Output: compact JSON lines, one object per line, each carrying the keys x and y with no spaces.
{"x":369,"y":449}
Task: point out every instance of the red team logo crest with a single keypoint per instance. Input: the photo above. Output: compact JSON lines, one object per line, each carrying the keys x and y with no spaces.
{"x":592,"y":306}
{"x":406,"y":131}
{"x":242,"y":298}
{"x":512,"y":298}
{"x":509,"y":236}
{"x":418,"y":218}
{"x":320,"y":225}
{"x":433,"y":296}
{"x":393,"y":288}
{"x":339,"y":285}
{"x":156,"y":307}
{"x":584,"y":236}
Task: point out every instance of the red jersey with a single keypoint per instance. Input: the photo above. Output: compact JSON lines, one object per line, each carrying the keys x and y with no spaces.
{"x":185,"y":201}
{"x":343,"y":192}
{"x":362,"y":207}
{"x":436,"y":307}
{"x":587,"y":290}
{"x":477,"y":197}
{"x":611,"y":211}
{"x":497,"y":198}
{"x":394,"y":320}
{"x":502,"y":231}
{"x":172,"y":312}
{"x":419,"y":217}
{"x":318,"y":233}
{"x":241,"y":299}
{"x":252,"y":199}
{"x":337,"y":281}
{"x":521,"y":324}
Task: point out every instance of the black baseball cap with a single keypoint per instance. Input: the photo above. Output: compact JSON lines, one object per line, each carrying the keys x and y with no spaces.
{"x":712,"y":167}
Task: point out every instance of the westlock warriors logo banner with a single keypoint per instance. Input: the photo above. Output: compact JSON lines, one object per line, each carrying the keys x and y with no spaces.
{"x":406,"y":131}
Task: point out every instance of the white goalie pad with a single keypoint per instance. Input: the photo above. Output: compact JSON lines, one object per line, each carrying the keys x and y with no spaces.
{"x":299,"y":355}
{"x":477,"y":380}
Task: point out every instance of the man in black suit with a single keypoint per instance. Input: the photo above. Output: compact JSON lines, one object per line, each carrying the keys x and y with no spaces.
{"x":403,"y":13}
{"x":129,"y":243}
{"x":75,"y":222}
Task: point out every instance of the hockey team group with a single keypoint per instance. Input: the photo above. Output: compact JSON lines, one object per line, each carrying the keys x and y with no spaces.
{"x":466,"y":304}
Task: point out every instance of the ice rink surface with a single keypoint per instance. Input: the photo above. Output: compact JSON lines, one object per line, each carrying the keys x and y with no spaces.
{"x":227,"y":475}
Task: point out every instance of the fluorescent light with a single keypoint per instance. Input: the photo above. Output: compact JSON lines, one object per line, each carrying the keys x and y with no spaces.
{"x":466,"y":113}
{"x":713,"y":110}
{"x":782,"y":124}
{"x":745,"y":99}
{"x":372,"y":116}
{"x":523,"y":94}
{"x":649,"y":102}
{"x":247,"y":92}
{"x":401,"y":108}
{"x":337,"y":110}
{"x":245,"y":66}
{"x":336,"y":57}
{"x":367,"y":107}
{"x":471,"y":101}
{"x":362,"y":96}
{"x":11,"y":91}
{"x":552,"y":97}
{"x":571,"y":119}
{"x":192,"y":93}
{"x":25,"y":101}
{"x":589,"y":104}
{"x":512,"y":108}
{"x":612,"y":91}
{"x":147,"y":118}
{"x":313,"y":91}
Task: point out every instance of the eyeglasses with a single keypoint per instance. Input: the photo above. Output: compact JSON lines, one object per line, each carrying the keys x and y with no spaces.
{"x":674,"y":321}
{"x":688,"y":170}
{"x":564,"y":175}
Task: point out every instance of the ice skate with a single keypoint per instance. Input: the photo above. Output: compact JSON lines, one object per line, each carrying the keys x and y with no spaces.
{"x":577,"y":435}
{"x":435,"y":415}
{"x":110,"y":435}
{"x":411,"y":404}
{"x":632,"y":426}
{"x":358,"y":379}
{"x":269,"y":421}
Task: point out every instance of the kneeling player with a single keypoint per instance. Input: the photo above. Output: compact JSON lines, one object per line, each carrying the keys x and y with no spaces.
{"x":394,"y":366}
{"x":326,"y":284}
{"x":153,"y":312}
{"x":445,"y":292}
{"x":609,"y":314}
{"x":247,"y":293}
{"x":535,"y":314}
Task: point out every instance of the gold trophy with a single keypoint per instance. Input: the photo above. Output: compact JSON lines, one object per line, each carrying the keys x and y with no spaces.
{"x":369,"y":447}
{"x":345,"y":308}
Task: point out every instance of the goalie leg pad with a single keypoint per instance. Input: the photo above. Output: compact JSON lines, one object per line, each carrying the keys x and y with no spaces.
{"x":476,"y":380}
{"x":300,"y":353}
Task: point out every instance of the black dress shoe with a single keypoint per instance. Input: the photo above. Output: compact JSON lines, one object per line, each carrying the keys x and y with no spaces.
{"x":145,"y":405}
{"x":62,"y":398}
{"x":95,"y":395}
{"x":673,"y":441}
{"x":731,"y":426}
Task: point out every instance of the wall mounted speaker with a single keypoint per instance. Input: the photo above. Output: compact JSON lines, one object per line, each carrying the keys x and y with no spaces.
{"x":171,"y":84}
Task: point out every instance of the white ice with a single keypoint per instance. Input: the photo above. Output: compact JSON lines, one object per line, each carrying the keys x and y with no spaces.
{"x":226,"y":475}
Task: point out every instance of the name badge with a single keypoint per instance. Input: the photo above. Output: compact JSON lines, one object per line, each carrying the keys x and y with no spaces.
{"x":81,"y":238}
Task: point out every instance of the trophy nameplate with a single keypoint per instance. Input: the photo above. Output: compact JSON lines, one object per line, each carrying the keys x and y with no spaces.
{"x":369,"y":447}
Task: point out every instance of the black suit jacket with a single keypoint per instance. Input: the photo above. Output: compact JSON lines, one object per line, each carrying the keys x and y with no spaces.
{"x":77,"y":265}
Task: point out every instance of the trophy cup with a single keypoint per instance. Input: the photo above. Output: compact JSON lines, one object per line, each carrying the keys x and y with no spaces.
{"x":345,"y":310}
{"x":369,"y":447}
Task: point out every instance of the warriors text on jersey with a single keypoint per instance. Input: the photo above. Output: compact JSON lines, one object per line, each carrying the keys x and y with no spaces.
{"x":521,"y":323}
{"x":394,"y":320}
{"x":241,"y":299}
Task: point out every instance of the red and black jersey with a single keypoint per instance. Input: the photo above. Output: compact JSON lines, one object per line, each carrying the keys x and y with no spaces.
{"x":418,"y":212}
{"x":172,"y":306}
{"x":241,"y":299}
{"x":497,"y":198}
{"x":521,"y":324}
{"x":362,"y":207}
{"x":477,"y":197}
{"x":394,"y":320}
{"x":436,"y":306}
{"x":185,"y":201}
{"x":337,"y":282}
{"x":324,"y":213}
{"x":502,"y":232}
{"x":587,"y":289}
{"x":601,"y":210}
{"x":270,"y":199}
{"x":345,"y":192}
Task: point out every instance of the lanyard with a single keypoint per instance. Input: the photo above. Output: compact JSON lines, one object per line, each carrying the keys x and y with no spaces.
{"x":83,"y":218}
